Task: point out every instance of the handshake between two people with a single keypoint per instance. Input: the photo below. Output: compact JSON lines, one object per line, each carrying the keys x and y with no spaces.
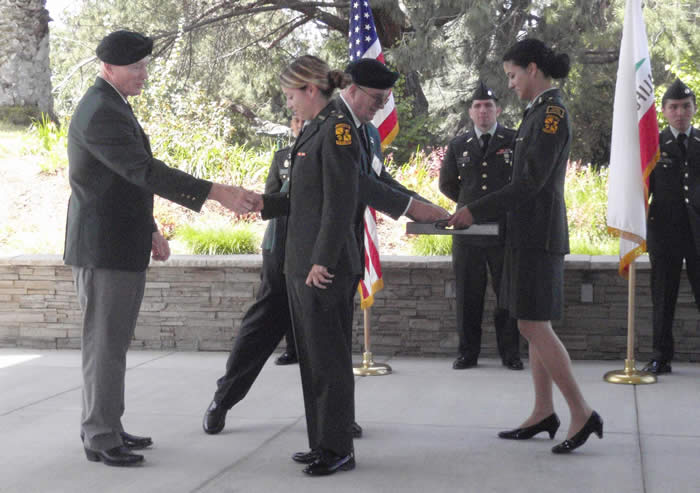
{"x":426,"y":212}
{"x":236,"y":199}
{"x":242,"y":201}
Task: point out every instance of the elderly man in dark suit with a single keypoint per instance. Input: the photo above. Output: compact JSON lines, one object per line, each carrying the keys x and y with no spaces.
{"x":110,"y":233}
{"x":673,"y":225}
{"x":476,"y":164}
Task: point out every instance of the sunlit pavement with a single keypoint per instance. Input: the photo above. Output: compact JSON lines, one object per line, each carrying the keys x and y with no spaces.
{"x":427,"y":428}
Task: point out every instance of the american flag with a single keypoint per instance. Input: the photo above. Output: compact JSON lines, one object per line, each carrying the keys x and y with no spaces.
{"x":363,"y":43}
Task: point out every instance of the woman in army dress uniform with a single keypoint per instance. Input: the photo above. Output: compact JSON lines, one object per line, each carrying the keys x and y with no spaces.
{"x":322,"y":261}
{"x":537,"y":239}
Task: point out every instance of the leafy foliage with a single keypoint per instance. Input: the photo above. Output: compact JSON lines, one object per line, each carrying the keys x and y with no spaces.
{"x":427,"y":245}
{"x":219,"y":241}
{"x":48,"y":141}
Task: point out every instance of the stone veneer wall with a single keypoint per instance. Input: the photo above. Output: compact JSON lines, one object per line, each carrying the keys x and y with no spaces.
{"x":197,"y":302}
{"x":25,"y":76}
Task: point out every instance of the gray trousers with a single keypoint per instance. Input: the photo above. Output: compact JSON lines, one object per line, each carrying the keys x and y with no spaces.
{"x":110,"y":301}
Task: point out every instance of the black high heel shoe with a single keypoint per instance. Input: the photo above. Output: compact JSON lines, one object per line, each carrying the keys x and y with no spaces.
{"x":550,"y":424}
{"x":593,"y":425}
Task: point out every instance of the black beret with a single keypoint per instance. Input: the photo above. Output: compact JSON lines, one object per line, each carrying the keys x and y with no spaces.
{"x":482,"y":92}
{"x":677,"y":90}
{"x":124,"y":48}
{"x":369,"y":72}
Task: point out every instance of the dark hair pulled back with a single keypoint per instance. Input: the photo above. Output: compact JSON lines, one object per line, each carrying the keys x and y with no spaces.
{"x":531,"y":50}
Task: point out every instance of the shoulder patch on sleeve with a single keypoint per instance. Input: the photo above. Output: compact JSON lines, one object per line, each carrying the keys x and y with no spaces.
{"x":555,"y":110}
{"x":343,"y":137}
{"x":551,"y":124}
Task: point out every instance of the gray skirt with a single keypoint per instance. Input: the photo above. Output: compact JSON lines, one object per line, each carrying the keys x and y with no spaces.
{"x":532,"y":286}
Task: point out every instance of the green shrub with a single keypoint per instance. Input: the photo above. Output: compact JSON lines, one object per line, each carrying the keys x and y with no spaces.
{"x":586,"y":196}
{"x":432,"y":245}
{"x":49,"y":142}
{"x":237,"y":239}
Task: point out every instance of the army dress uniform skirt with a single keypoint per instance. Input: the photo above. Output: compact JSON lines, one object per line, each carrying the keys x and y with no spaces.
{"x":532,"y":286}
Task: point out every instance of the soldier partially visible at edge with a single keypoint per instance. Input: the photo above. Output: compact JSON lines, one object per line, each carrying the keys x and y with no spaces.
{"x":673,"y":224}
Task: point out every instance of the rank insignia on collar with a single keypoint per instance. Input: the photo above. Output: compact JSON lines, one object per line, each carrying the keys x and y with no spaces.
{"x":343,"y":137}
{"x":301,"y":154}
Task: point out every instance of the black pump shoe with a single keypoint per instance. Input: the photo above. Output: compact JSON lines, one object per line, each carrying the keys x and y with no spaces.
{"x":550,"y":424}
{"x":593,"y":425}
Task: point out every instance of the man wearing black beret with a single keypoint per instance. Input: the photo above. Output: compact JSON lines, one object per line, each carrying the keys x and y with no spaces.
{"x":474,"y":165}
{"x":110,"y":233}
{"x":673,"y":224}
{"x":358,"y":103}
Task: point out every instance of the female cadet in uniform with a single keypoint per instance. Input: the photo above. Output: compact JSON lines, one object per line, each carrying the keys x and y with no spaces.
{"x":322,"y":258}
{"x":537,"y":239}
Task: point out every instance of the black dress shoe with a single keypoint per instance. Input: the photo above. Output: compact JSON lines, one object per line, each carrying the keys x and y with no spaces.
{"x":356,"y":430}
{"x":329,"y":463}
{"x":134,"y":442}
{"x":462,"y":363}
{"x":131,"y":442}
{"x":593,"y":425}
{"x":514,"y":364}
{"x":658,"y":367}
{"x":306,"y":457}
{"x":287,"y":358}
{"x":117,"y":456}
{"x":214,"y":419}
{"x":550,"y":424}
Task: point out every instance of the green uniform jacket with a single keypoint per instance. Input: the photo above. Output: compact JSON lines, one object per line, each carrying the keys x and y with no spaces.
{"x":322,"y":202}
{"x":469,"y":172}
{"x":534,"y":199}
{"x":113,"y":177}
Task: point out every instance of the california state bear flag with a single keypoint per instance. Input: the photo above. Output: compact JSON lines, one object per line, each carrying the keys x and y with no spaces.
{"x":635,"y":139}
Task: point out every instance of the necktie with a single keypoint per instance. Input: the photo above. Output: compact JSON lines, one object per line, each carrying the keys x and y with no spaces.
{"x":485,"y":141}
{"x":365,"y":138}
{"x":681,"y":143}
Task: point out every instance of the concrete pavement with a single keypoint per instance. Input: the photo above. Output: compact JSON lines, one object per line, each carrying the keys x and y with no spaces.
{"x":427,"y":427}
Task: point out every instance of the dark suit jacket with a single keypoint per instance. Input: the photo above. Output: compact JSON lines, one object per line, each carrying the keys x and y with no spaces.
{"x":674,"y":187}
{"x":534,"y":199}
{"x":322,"y":202}
{"x":113,"y":177}
{"x":468,"y":172}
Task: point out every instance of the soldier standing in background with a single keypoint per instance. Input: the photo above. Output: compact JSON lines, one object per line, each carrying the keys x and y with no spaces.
{"x":476,"y":164}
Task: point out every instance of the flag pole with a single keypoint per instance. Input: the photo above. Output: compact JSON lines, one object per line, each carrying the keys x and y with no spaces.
{"x":630,"y":375}
{"x":369,"y":368}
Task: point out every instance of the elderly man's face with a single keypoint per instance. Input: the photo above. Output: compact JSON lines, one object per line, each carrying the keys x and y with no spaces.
{"x":366,"y":101}
{"x":128,"y":79}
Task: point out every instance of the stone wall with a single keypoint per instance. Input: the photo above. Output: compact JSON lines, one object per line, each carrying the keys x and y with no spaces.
{"x":25,"y":76}
{"x":197,"y":302}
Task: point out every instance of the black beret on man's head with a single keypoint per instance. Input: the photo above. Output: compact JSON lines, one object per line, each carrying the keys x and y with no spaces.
{"x":482,"y":92}
{"x":369,"y":72}
{"x":124,"y":48}
{"x":677,"y":90}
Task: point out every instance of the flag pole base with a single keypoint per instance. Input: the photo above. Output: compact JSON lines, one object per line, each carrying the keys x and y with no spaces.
{"x":630,"y":375}
{"x":369,"y":368}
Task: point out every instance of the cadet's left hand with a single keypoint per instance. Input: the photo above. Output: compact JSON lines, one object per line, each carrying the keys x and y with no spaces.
{"x":318,"y":277}
{"x":462,"y":218}
{"x":160,"y":249}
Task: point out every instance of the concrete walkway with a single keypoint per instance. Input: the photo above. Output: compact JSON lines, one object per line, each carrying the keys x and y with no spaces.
{"x":427,"y":427}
